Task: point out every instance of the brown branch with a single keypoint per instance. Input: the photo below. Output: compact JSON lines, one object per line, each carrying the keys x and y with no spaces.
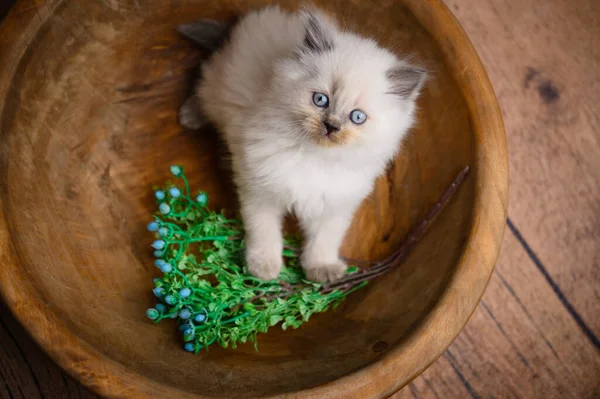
{"x":285,"y":290}
{"x":379,"y":268}
{"x":407,"y":245}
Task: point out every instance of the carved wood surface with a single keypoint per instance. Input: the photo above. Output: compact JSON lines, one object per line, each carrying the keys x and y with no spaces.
{"x":535,"y":333}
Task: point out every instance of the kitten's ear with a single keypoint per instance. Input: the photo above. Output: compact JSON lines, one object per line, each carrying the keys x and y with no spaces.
{"x":406,"y":81}
{"x":207,"y":33}
{"x":319,"y":32}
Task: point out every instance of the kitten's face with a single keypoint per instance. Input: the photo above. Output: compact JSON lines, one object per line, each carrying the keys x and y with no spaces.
{"x":340,"y":91}
{"x":326,"y":120}
{"x":341,"y":100}
{"x":333,"y":110}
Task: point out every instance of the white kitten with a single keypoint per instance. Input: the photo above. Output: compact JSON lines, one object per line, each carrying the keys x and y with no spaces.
{"x":311,"y":115}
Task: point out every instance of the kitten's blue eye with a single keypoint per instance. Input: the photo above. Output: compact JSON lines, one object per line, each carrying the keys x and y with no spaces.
{"x":320,"y":100}
{"x":358,"y":117}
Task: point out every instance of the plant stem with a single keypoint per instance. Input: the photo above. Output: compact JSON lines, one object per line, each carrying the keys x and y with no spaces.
{"x":407,"y":245}
{"x":353,"y":281}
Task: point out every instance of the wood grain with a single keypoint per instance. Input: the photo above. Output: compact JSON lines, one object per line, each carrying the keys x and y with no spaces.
{"x":89,"y":123}
{"x":535,"y":334}
{"x":27,"y":373}
{"x":548,"y":85}
{"x":532,"y":347}
{"x":521,"y":342}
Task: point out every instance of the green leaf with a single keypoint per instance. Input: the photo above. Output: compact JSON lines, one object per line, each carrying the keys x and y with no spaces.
{"x":289,"y":253}
{"x":303,"y":309}
{"x":236,"y":307}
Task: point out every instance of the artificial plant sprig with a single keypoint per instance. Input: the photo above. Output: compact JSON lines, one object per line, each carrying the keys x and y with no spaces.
{"x":205,"y":284}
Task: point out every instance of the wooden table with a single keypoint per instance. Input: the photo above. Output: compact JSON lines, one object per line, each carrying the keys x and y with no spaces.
{"x":536,"y":332}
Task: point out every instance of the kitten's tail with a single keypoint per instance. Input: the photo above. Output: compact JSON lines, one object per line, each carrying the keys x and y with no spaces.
{"x":210,"y":35}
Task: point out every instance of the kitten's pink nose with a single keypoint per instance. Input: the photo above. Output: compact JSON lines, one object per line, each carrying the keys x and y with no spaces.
{"x":331,"y":127}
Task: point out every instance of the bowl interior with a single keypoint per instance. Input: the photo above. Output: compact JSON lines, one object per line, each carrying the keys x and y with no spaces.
{"x":90,"y":124}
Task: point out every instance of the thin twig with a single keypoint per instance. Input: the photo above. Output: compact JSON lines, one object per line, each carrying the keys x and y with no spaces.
{"x":379,"y":268}
{"x":407,"y":245}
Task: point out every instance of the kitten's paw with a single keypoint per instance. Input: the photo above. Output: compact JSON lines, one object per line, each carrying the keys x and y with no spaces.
{"x":325,"y":273}
{"x":189,"y":114}
{"x":264,"y":267}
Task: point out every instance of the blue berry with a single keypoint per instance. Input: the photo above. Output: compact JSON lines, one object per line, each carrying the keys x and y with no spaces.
{"x":199,"y":318}
{"x":158,"y":244}
{"x":152,"y":226}
{"x":185,"y":314}
{"x":159,"y":263}
{"x":170,"y":300}
{"x":152,"y":314}
{"x":190,"y":347}
{"x":189,"y":331}
{"x":176,"y":170}
{"x":185,"y":292}
{"x":163,"y":231}
{"x":202,"y":199}
{"x":174,"y":191}
{"x":185,"y":326}
{"x":159,"y":291}
{"x":160,"y":195}
{"x":164,"y":208}
{"x":166,"y":268}
{"x":160,"y":307}
{"x":159,"y":254}
{"x":155,"y":280}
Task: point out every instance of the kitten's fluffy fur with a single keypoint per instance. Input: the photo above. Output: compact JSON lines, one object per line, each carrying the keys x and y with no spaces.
{"x":258,"y":91}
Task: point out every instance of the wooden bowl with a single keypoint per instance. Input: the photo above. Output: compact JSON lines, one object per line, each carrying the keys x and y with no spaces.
{"x":89,"y":93}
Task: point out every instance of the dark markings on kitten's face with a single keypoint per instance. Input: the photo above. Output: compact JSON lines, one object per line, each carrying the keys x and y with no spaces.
{"x":316,"y":39}
{"x":330,"y":113}
{"x":406,"y":80}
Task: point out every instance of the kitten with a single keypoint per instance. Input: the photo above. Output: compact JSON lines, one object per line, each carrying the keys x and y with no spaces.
{"x":311,"y":115}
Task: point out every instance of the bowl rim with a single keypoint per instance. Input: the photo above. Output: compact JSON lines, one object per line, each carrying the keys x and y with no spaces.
{"x":382,"y":378}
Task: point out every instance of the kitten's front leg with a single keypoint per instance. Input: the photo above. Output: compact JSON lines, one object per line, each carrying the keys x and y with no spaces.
{"x":264,"y":241}
{"x":324,"y":235}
